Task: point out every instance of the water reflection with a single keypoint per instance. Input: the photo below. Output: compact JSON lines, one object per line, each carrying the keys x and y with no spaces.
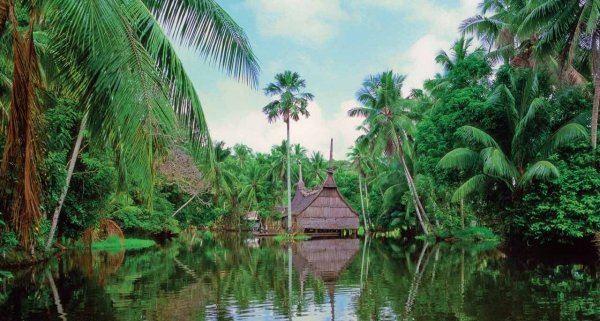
{"x":325,"y":259}
{"x":208,"y":277}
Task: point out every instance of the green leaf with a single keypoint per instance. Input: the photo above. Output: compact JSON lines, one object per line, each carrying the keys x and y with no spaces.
{"x":541,"y":170}
{"x":563,"y":136}
{"x":474,"y":135}
{"x":474,"y":184}
{"x":495,"y":163}
{"x":460,"y":158}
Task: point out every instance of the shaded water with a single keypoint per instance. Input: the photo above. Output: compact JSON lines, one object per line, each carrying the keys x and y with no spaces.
{"x":203,"y":277}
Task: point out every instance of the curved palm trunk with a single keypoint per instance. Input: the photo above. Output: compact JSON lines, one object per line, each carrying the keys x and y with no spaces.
{"x":420,"y":210}
{"x":289,"y":181}
{"x":367,"y":201}
{"x":63,"y":194}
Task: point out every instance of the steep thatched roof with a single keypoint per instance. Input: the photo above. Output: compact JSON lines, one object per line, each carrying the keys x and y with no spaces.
{"x":304,"y":197}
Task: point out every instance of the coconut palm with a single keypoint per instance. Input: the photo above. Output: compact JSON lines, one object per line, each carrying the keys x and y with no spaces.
{"x":524,"y":160}
{"x":115,"y":60}
{"x":496,"y":26}
{"x":251,"y":183}
{"x":458,"y":52}
{"x":359,"y":158}
{"x":222,"y":179}
{"x":564,"y":27}
{"x":316,"y":168}
{"x":242,"y":153}
{"x":278,"y":160}
{"x":389,"y":127}
{"x":290,"y":103}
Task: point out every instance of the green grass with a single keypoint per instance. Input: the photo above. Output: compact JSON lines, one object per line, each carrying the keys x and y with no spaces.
{"x":291,"y":237}
{"x":114,"y":244}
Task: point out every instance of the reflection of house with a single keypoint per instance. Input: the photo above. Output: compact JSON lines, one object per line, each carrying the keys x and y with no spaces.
{"x":325,"y":259}
{"x":323,"y":209}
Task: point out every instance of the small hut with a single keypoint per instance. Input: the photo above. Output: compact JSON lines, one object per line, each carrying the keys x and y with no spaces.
{"x":322,"y":210}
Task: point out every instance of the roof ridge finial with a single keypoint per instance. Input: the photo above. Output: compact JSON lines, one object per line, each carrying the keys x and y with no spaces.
{"x":330,"y":169}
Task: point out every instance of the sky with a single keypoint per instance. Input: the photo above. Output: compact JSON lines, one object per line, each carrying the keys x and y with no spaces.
{"x":334,"y":45}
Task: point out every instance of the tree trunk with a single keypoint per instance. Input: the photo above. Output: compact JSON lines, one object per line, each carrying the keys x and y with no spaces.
{"x":423,"y":220}
{"x":185,"y":204}
{"x":462,"y":213}
{"x":415,"y":196}
{"x":596,"y":76}
{"x":367,"y":200}
{"x":70,"y":170}
{"x":289,"y":181}
{"x":362,"y":204}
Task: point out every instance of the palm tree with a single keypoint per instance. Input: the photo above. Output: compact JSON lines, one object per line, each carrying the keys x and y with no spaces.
{"x":496,"y":26}
{"x":458,"y":52}
{"x":359,"y":158}
{"x":115,"y":60}
{"x":441,"y":83}
{"x":252,"y":182}
{"x":390,"y":128}
{"x":316,"y":168}
{"x":524,"y":160}
{"x":568,"y":25}
{"x":222,"y":178}
{"x":242,"y":154}
{"x":289,"y":103}
{"x":278,"y":159}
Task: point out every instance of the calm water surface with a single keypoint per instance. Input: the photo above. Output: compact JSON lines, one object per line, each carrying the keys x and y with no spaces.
{"x":205,"y":277}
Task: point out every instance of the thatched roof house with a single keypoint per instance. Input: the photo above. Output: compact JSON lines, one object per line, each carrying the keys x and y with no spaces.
{"x":322,"y":209}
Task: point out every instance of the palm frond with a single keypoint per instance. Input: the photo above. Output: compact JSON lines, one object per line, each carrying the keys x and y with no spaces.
{"x":564,"y":136}
{"x":541,"y":170}
{"x":474,"y":135}
{"x":495,"y":163}
{"x":460,"y":158}
{"x":475,"y":184}
{"x":204,"y":26}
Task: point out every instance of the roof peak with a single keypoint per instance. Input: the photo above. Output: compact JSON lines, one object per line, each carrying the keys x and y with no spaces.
{"x":330,"y":169}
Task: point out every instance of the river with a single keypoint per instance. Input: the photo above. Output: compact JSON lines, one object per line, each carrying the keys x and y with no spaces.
{"x":231,"y":277}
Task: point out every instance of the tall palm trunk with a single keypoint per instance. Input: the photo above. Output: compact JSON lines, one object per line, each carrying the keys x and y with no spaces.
{"x":362,"y":203}
{"x":596,"y":76}
{"x":289,"y":181}
{"x":63,"y":194}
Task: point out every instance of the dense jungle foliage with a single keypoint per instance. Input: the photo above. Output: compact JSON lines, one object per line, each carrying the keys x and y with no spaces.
{"x":504,"y":138}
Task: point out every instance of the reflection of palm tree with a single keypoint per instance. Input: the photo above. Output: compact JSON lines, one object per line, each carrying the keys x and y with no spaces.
{"x":59,"y":308}
{"x":414,"y":286}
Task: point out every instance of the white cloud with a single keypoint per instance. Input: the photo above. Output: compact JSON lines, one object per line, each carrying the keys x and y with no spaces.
{"x":418,"y":61}
{"x":305,"y":21}
{"x":238,"y":118}
{"x":442,"y":29}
